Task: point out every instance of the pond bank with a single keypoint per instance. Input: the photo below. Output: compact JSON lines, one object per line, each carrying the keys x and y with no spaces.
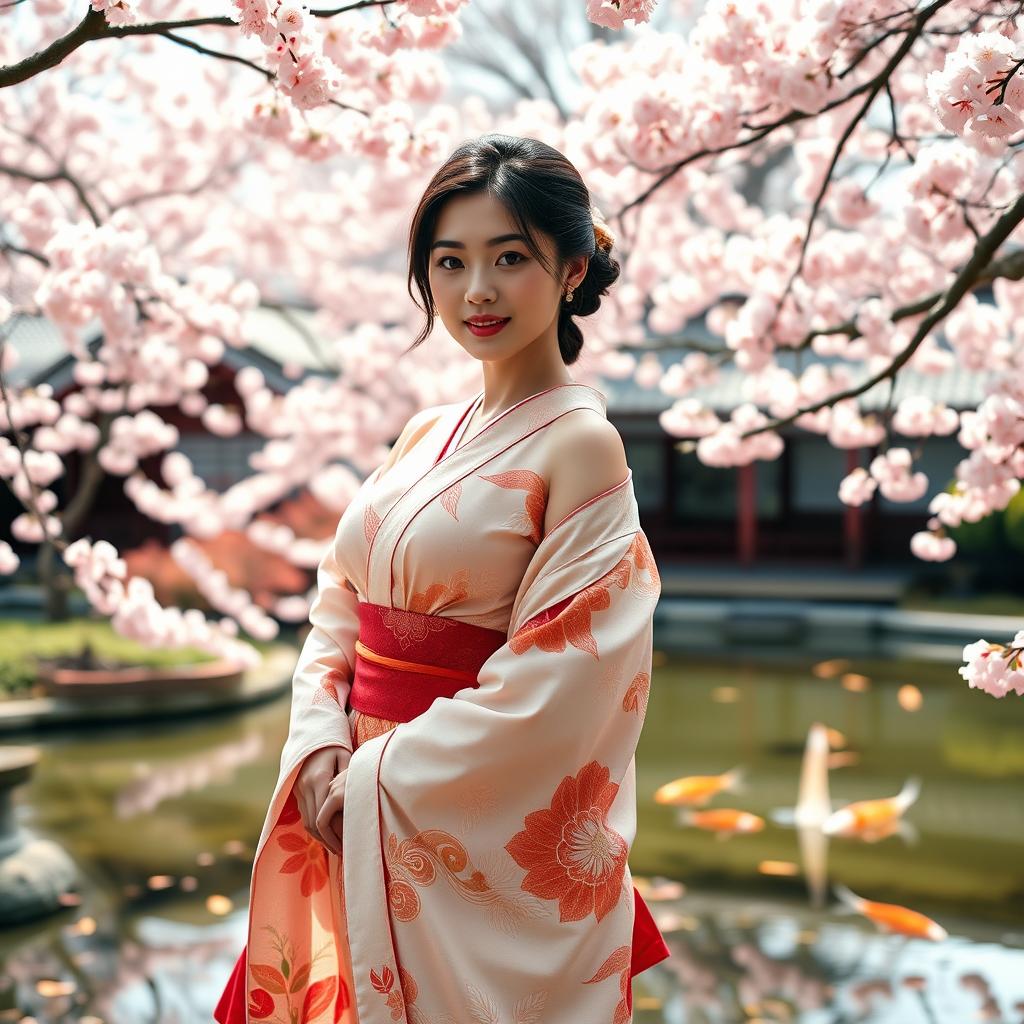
{"x":267,"y":681}
{"x":828,"y":628}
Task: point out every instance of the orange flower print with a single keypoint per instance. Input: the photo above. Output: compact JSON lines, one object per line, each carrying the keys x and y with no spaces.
{"x":432,"y":854}
{"x":308,"y":857}
{"x":441,"y":594}
{"x":261,"y":1003}
{"x":290,"y":810}
{"x":401,"y":999}
{"x":536,"y":498}
{"x":569,"y":850}
{"x":643,"y":558}
{"x":289,"y":978}
{"x":569,"y":620}
{"x":327,"y":691}
{"x":618,"y":963}
{"x":368,"y":727}
{"x":638,"y":694}
{"x":450,"y":499}
{"x":371,"y":522}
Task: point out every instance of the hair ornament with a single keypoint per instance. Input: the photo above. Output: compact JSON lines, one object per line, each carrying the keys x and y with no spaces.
{"x":603,"y":235}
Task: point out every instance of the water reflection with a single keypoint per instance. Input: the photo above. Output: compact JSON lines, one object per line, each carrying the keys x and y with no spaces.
{"x":733,"y":961}
{"x":152,"y":785}
{"x":163,"y":821}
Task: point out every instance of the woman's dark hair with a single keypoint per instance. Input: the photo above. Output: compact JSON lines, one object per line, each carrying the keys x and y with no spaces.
{"x":540,"y":189}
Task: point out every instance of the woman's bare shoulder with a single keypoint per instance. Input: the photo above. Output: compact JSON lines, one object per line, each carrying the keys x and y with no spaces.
{"x":585,"y":458}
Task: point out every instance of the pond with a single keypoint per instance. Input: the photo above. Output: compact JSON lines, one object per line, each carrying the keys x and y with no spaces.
{"x":162,"y":819}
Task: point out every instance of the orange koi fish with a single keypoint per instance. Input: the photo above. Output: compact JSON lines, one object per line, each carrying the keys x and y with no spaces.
{"x":724,"y":820}
{"x":697,"y":790}
{"x":872,"y":816}
{"x":891,"y":917}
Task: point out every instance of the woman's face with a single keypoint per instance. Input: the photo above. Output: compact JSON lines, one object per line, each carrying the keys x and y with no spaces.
{"x":469,"y":276}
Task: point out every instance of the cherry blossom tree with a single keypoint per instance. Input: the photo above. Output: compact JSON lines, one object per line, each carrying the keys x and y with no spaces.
{"x":165,"y":175}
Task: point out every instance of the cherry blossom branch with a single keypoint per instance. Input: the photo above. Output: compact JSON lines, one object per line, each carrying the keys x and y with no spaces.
{"x":234,"y":58}
{"x":194,"y":190}
{"x":59,"y":175}
{"x":1010,"y":267}
{"x":8,"y":247}
{"x":792,"y":117}
{"x":894,"y":61}
{"x":1004,"y":81}
{"x":962,"y":283}
{"x":94,"y":26}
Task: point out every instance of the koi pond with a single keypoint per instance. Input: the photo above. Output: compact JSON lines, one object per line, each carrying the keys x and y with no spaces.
{"x":162,"y":819}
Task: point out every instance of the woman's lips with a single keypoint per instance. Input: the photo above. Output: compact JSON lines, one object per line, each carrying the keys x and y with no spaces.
{"x":483,"y":332}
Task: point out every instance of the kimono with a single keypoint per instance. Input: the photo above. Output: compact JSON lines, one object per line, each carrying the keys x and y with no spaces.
{"x":491,"y":681}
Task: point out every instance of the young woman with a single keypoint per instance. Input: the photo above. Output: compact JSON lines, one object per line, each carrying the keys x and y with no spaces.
{"x":447,"y":842}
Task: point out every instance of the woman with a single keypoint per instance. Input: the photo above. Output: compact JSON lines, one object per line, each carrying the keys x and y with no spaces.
{"x":447,"y":842}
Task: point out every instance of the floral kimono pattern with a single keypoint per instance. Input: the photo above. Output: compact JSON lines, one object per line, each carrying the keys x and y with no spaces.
{"x":484,"y":874}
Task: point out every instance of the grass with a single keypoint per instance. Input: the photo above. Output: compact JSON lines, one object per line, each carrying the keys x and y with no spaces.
{"x":22,"y":641}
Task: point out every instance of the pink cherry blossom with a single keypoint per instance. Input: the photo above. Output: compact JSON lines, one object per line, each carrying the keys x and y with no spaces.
{"x":9,"y":561}
{"x":994,"y":668}
{"x":896,"y":482}
{"x":857,"y":487}
{"x":931,"y":547}
{"x":116,"y":12}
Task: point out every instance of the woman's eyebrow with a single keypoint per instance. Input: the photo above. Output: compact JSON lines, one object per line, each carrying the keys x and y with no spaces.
{"x":490,"y":241}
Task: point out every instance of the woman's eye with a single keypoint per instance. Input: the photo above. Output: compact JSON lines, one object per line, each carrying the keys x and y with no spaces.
{"x":520,"y":258}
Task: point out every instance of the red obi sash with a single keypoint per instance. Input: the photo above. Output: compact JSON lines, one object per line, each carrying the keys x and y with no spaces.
{"x":386,"y":684}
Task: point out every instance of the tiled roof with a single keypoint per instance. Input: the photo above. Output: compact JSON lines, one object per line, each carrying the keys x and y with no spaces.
{"x":957,"y":388}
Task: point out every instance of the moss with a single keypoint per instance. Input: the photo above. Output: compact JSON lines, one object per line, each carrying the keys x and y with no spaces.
{"x":22,"y":641}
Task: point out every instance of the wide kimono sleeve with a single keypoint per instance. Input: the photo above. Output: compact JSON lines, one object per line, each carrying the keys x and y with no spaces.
{"x":489,"y":836}
{"x":323,"y":672}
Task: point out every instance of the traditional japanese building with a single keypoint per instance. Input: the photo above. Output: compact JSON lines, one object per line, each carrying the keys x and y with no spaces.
{"x":781,"y":512}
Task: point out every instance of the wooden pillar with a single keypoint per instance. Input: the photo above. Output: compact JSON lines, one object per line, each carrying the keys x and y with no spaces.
{"x":853,"y":521}
{"x":746,"y":513}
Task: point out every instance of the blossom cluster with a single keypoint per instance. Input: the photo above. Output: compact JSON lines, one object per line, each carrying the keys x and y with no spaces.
{"x":214,"y":586}
{"x":134,"y":611}
{"x":995,"y":668}
{"x":969,"y":94}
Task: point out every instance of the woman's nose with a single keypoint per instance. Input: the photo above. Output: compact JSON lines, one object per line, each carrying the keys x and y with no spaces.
{"x":478,"y":290}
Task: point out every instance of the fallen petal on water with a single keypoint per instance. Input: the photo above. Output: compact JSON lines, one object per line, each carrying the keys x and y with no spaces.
{"x":828,"y":669}
{"x":855,"y":683}
{"x":910,"y":697}
{"x":219,"y":905}
{"x":49,"y":988}
{"x":783,"y":868}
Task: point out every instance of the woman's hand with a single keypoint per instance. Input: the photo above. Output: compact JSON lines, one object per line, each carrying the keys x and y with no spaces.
{"x":329,"y":821}
{"x":312,"y":786}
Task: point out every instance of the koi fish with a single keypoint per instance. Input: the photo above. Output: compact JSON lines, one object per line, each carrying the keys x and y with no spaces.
{"x":891,"y":917}
{"x":697,"y":790}
{"x":813,"y":805}
{"x":895,"y":827}
{"x":872,"y":816}
{"x":723,"y":820}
